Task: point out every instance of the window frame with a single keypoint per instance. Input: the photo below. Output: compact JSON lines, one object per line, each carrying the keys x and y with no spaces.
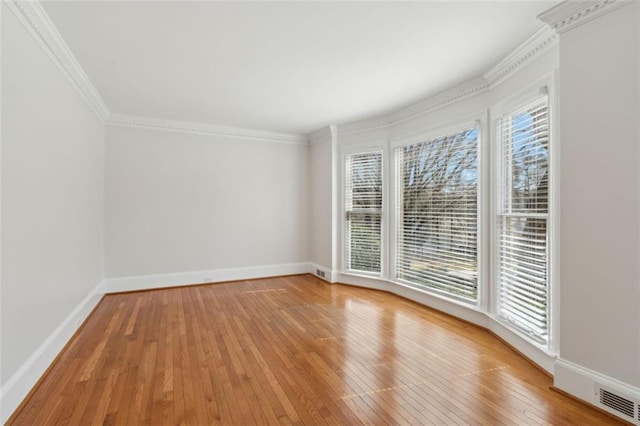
{"x":544,"y":86}
{"x":345,"y":152}
{"x":476,"y":120}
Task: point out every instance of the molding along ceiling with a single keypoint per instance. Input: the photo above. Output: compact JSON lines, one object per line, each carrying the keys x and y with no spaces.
{"x":286,"y":67}
{"x":561,"y":18}
{"x":570,"y":14}
{"x":37,"y":22}
{"x":537,"y":44}
{"x":121,"y":120}
{"x":321,"y":135}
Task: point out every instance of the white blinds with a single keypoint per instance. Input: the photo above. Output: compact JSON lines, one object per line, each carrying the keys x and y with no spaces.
{"x":523,"y":252}
{"x":363,"y":211}
{"x":437,"y":212}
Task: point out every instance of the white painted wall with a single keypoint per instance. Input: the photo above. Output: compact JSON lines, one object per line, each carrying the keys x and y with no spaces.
{"x":184,"y":202}
{"x":600,"y":189}
{"x":52,"y":197}
{"x":320,"y":235}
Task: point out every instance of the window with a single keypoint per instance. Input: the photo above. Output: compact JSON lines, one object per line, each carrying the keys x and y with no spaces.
{"x":363,"y":211}
{"x":437,"y":214}
{"x":523,"y":215}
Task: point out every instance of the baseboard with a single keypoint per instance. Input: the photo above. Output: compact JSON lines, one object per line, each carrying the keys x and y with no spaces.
{"x":22,"y":381}
{"x":537,"y":356}
{"x":584,"y":383}
{"x":459,"y":310}
{"x":147,"y":282}
{"x":449,"y":307}
{"x":322,"y":272}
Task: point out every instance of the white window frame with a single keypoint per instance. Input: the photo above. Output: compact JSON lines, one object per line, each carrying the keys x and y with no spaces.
{"x":384,"y":241}
{"x":478,"y":120}
{"x":546,"y":84}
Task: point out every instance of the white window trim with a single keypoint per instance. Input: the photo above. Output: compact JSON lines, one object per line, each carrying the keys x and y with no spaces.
{"x":479,"y":120}
{"x":364,"y":149}
{"x":547,"y":83}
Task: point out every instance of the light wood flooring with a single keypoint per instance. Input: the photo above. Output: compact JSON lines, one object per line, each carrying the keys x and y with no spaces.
{"x":289,"y":350}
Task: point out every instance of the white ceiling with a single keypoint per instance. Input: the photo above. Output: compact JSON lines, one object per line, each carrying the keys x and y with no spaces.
{"x":286,"y":66}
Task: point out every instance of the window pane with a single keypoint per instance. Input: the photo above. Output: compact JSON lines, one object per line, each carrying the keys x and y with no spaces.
{"x":363,"y":230}
{"x":363,"y":205}
{"x":523,"y":291}
{"x":438,"y":214}
{"x":523,"y":254}
{"x":526,"y":155}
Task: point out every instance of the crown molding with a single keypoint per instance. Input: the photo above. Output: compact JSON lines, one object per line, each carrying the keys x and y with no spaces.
{"x":37,"y":22}
{"x":570,"y":14}
{"x":533,"y":47}
{"x":471,"y":88}
{"x":562,"y":18}
{"x":466,"y":90}
{"x":366,"y":125}
{"x":320,"y":135}
{"x":538,"y":43}
{"x":121,"y":120}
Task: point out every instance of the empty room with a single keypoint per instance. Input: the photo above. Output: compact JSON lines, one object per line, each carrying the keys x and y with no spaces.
{"x":299,"y":213}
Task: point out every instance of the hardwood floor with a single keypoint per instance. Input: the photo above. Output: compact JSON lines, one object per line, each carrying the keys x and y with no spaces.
{"x":289,"y":350}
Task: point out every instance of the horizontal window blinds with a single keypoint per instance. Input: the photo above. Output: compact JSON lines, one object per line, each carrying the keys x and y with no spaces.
{"x":523,"y":250}
{"x":437,"y":214}
{"x":363,"y":211}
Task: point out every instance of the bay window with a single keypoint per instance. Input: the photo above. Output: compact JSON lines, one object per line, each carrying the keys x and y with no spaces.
{"x":439,"y":201}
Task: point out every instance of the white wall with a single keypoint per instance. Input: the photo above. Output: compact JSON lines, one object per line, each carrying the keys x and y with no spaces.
{"x":600,"y":188}
{"x":320,"y":215}
{"x":179,"y":202}
{"x":52,"y":197}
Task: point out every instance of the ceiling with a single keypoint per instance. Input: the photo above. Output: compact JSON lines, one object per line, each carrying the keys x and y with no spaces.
{"x":285,"y":66}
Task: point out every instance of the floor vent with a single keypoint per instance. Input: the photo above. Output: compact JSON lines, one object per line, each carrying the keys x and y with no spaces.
{"x":617,"y":403}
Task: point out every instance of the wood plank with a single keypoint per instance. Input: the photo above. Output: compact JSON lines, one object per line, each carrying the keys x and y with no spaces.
{"x":289,"y":350}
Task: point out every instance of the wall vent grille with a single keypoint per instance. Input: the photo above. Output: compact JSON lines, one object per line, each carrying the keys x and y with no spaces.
{"x":617,"y":403}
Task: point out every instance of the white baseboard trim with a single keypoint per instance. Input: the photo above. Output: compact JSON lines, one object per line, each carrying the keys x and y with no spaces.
{"x":455,"y":309}
{"x":362,"y":281}
{"x":329,"y":274}
{"x":458,"y":310}
{"x":526,"y":348}
{"x":582,"y":383}
{"x":22,"y":381}
{"x":147,"y":282}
